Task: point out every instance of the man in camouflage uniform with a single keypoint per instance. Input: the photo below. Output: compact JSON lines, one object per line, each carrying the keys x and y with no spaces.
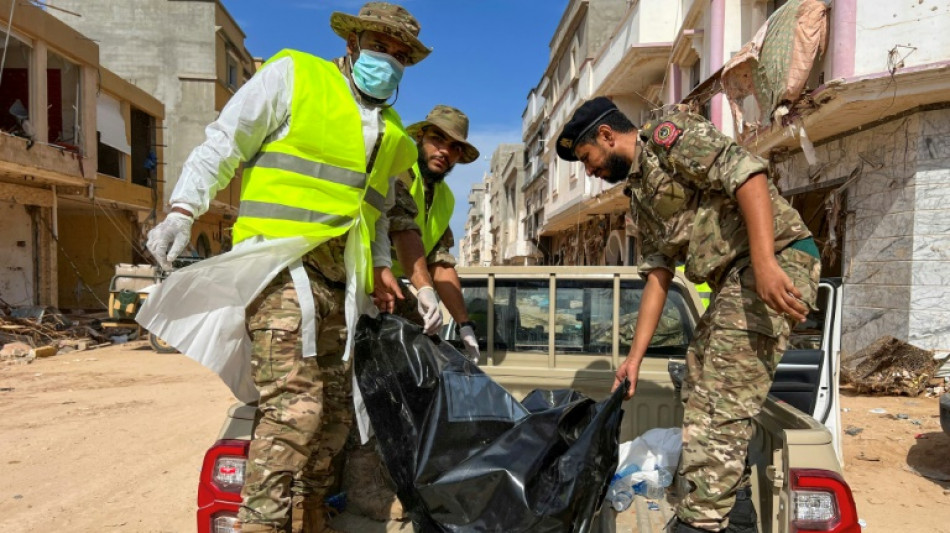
{"x":305,"y":402}
{"x":442,"y":142}
{"x":698,"y":197}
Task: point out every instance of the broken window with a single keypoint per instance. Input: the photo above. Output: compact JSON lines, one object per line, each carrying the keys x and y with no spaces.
{"x":113,"y":145}
{"x":15,"y":83}
{"x":63,"y":98}
{"x":144,"y":160}
{"x":823,"y":211}
{"x":110,"y":161}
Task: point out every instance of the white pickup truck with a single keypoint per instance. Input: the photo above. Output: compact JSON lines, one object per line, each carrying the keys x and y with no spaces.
{"x":569,"y":327}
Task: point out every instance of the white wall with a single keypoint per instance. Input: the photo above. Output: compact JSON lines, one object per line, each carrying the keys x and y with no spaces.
{"x":896,"y":264}
{"x":930,"y":274}
{"x":16,"y":263}
{"x":884,"y":24}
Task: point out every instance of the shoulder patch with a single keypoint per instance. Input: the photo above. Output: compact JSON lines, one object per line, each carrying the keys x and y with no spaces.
{"x":665,"y":134}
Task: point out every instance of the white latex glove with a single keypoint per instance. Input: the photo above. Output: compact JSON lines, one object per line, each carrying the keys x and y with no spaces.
{"x":169,"y":238}
{"x":471,"y":343}
{"x":429,"y":309}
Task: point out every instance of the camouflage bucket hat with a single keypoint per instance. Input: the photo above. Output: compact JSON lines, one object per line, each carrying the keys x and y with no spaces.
{"x":386,"y":18}
{"x":454,"y":123}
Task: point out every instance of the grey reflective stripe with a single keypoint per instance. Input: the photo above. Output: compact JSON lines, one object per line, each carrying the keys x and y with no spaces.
{"x":296,"y":214}
{"x":322,"y":171}
{"x":375,"y":199}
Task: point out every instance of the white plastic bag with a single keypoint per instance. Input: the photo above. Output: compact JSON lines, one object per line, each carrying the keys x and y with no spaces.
{"x":644,"y":463}
{"x":657,"y":448}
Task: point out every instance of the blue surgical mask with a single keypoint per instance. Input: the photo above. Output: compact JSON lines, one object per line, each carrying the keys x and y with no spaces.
{"x":377,"y":74}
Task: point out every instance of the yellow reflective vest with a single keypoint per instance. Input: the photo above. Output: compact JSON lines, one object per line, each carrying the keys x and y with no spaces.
{"x":702,"y":288}
{"x":432,"y":222}
{"x":314,"y":182}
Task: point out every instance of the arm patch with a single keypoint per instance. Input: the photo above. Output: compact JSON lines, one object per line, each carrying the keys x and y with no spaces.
{"x":666,"y":134}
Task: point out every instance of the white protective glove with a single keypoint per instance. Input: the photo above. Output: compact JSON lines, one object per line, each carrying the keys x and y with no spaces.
{"x":429,"y":309}
{"x":467,"y":333}
{"x":169,"y":238}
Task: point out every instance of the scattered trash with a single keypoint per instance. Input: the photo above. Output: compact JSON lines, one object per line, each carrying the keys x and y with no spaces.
{"x":915,"y":422}
{"x":890,"y":366}
{"x":920,"y":436}
{"x":6,"y":389}
{"x":45,"y":351}
{"x":863,"y":457}
{"x":653,"y":506}
{"x":120,"y":339}
{"x":845,"y":409}
{"x":901,"y":416}
{"x":17,"y":496}
{"x":878,"y":411}
{"x":862,"y":523}
{"x":851,"y":430}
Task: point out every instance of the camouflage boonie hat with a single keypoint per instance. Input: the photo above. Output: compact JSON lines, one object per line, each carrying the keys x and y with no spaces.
{"x":454,"y":123}
{"x":387,"y":18}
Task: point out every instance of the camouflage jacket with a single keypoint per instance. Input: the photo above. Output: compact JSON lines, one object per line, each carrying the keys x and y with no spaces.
{"x":682,"y":189}
{"x":402,"y":216}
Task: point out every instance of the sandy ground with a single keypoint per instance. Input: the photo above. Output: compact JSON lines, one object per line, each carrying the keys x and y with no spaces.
{"x":111,"y":440}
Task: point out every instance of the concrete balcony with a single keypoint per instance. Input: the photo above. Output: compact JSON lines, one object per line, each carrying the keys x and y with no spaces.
{"x":634,"y":61}
{"x":42,"y":163}
{"x":520,"y":249}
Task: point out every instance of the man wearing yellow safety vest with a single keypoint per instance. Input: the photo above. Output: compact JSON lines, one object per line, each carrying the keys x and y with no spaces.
{"x":442,"y":142}
{"x":321,"y":148}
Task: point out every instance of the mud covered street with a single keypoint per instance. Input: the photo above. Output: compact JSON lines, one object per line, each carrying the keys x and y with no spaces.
{"x":105,"y":440}
{"x":112,"y":440}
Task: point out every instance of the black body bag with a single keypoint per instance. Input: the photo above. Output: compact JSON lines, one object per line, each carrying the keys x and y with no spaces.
{"x":467,"y":456}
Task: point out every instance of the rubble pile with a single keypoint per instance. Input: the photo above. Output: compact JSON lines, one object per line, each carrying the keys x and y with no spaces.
{"x":890,"y":366}
{"x":30,"y":332}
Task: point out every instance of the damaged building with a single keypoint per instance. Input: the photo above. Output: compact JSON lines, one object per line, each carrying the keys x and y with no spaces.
{"x":80,"y":173}
{"x":189,"y":54}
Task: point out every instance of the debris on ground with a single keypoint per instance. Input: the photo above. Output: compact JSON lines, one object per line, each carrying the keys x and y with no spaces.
{"x":28,"y":332}
{"x":890,"y":366}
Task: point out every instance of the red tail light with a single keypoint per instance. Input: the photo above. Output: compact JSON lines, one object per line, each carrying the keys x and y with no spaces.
{"x":822,"y":502}
{"x":219,"y":486}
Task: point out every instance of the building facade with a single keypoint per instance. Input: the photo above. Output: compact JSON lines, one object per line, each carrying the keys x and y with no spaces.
{"x":79,"y":179}
{"x":475,"y":248}
{"x":190,"y":55}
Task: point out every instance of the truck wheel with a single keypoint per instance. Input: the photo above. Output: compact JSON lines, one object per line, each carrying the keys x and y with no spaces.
{"x":945,"y":413}
{"x":159,"y":345}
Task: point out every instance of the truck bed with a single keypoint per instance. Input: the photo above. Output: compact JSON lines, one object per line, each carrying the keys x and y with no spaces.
{"x":643,"y":516}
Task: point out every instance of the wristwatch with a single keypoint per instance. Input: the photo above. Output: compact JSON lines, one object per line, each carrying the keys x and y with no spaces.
{"x":469,"y":323}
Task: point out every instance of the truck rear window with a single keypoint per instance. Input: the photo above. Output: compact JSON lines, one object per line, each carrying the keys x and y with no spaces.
{"x":583,"y":316}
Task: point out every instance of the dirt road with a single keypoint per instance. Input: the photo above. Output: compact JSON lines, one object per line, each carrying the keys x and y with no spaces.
{"x":111,"y":440}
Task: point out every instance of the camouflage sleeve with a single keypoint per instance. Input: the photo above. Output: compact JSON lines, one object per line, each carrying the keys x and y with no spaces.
{"x":442,"y":254}
{"x":402,"y":215}
{"x":652,"y":260}
{"x":698,"y":151}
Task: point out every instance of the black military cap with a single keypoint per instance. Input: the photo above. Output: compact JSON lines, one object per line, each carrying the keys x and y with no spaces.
{"x":586,"y":116}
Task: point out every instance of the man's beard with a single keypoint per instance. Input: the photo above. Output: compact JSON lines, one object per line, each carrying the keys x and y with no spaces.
{"x":427,"y":174}
{"x":618,"y":167}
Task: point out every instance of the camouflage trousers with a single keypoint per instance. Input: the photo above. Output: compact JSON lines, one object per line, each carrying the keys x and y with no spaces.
{"x":306,"y":403}
{"x":730,"y":367}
